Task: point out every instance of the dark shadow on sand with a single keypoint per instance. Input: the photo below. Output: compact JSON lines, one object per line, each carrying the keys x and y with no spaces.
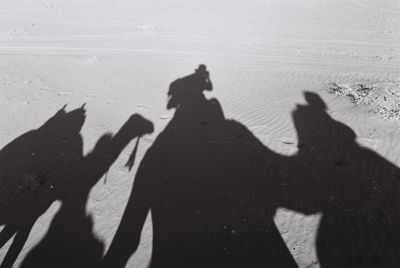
{"x":206,"y":181}
{"x":213,"y":189}
{"x":211,"y":186}
{"x":45,"y":165}
{"x":356,"y":190}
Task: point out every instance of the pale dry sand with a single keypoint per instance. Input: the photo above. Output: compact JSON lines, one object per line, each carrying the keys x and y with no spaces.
{"x":119,"y":57}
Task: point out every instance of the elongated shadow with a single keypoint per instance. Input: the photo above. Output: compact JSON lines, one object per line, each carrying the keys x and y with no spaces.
{"x":208,"y":183}
{"x":45,"y":165}
{"x":356,"y":190}
{"x":29,"y":168}
{"x":213,"y":188}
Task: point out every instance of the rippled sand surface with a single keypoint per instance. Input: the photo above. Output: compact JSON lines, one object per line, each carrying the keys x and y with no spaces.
{"x":119,"y":57}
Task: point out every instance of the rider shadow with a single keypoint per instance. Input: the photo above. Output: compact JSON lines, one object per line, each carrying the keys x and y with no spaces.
{"x":209,"y":185}
{"x":355,"y":189}
{"x":213,"y":189}
{"x":46,"y":165}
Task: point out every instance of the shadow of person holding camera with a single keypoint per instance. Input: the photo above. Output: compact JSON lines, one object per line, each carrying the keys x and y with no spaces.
{"x":355,"y":189}
{"x":207,"y":182}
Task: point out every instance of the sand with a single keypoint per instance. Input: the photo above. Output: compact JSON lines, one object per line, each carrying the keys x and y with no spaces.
{"x":119,"y":58}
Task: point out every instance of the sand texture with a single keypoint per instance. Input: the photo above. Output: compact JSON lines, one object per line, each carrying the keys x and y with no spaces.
{"x":291,"y":160}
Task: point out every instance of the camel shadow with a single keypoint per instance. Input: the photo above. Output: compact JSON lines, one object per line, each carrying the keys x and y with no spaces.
{"x":45,"y":165}
{"x":211,"y":186}
{"x":206,"y":181}
{"x":213,"y":189}
{"x":355,"y":189}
